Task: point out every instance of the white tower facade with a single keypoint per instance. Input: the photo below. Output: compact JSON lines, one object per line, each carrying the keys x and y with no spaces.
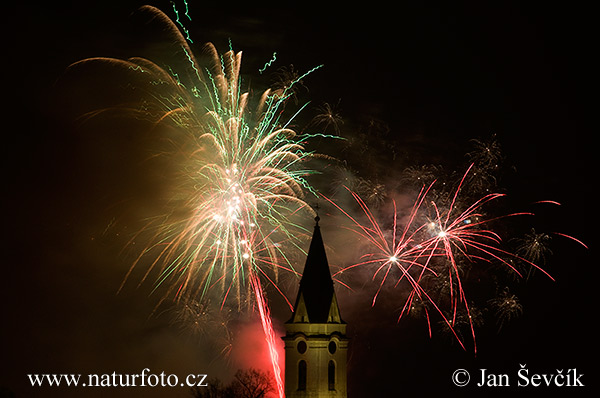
{"x":316,"y":345}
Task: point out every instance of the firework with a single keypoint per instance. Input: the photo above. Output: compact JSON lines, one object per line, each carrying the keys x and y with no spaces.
{"x":432,"y":249}
{"x":202,"y":319}
{"x":328,"y":116}
{"x":240,"y":179}
{"x":534,"y":247}
{"x":507,"y":306}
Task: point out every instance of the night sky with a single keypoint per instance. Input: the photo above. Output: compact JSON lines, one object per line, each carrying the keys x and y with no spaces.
{"x":434,"y":76}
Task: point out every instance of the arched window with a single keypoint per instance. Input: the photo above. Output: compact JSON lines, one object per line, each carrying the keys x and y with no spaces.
{"x":302,"y":375}
{"x":331,"y":375}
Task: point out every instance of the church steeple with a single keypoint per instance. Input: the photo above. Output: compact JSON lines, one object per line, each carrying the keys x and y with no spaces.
{"x":315,"y":342}
{"x":316,"y":301}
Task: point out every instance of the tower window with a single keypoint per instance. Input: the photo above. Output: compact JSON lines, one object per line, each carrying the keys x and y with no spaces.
{"x":331,"y":375}
{"x":301,"y":347}
{"x":332,"y":347}
{"x":302,"y":375}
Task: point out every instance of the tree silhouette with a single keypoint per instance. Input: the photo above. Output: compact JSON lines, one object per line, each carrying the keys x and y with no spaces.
{"x":248,"y":383}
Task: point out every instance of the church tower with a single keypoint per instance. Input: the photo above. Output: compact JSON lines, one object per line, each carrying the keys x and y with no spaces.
{"x":316,"y":345}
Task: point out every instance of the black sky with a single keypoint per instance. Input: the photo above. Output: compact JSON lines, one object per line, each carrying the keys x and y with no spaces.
{"x":435,"y":75}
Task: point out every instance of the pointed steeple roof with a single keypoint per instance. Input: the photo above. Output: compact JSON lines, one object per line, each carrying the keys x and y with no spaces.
{"x":316,"y":298}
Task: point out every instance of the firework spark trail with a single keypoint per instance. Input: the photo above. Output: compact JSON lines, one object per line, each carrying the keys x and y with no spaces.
{"x":267,"y":325}
{"x":268,"y":64}
{"x":572,"y":238}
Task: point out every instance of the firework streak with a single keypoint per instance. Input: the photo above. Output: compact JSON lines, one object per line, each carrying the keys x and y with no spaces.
{"x":270,"y":336}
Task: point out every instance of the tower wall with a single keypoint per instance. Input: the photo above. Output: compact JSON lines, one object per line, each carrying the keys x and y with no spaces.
{"x":324,"y":344}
